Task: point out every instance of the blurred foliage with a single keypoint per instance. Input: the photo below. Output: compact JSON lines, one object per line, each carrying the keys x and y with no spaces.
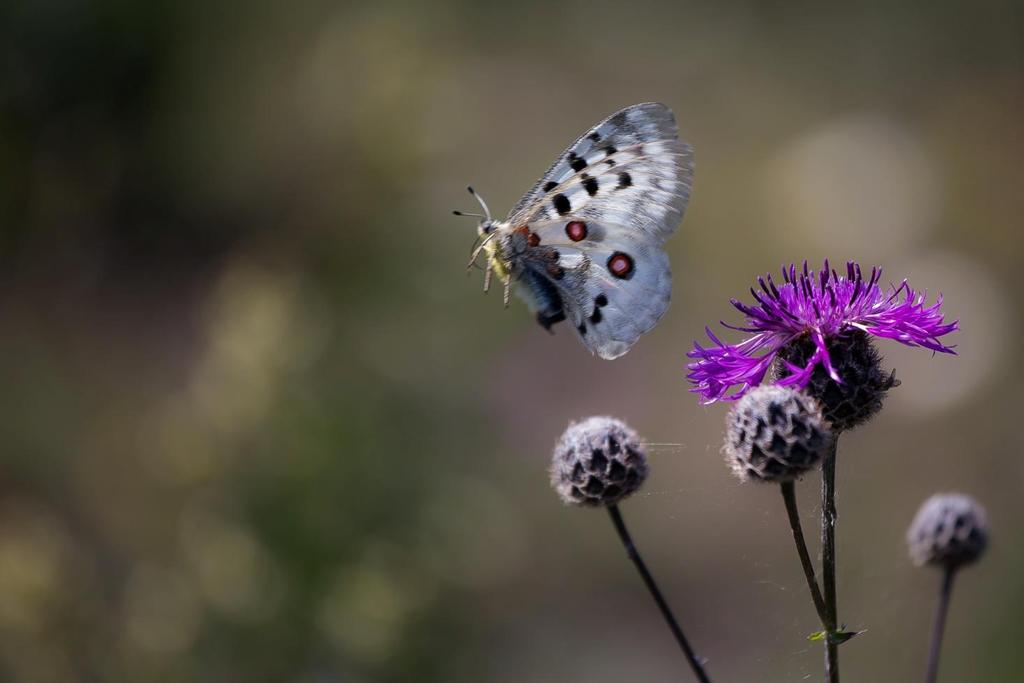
{"x":259,"y":426}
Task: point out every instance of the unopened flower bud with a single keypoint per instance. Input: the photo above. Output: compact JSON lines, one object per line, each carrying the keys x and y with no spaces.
{"x":949,"y":530}
{"x":775,"y":433}
{"x":598,"y":461}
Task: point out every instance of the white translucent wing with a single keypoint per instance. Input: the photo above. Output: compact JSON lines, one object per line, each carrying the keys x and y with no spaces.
{"x":613,"y":285}
{"x":630,"y":170}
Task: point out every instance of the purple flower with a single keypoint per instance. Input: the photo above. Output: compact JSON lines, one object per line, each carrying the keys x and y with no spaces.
{"x":822,"y":306}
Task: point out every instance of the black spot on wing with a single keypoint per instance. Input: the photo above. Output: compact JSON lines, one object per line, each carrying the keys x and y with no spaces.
{"x":577,"y":163}
{"x":590,"y":185}
{"x":596,"y":316}
{"x":548,"y":318}
{"x":582,"y":329}
{"x":561,"y":204}
{"x":550,"y":185}
{"x":595,"y":136}
{"x":600,"y":300}
{"x":610,"y":150}
{"x":625,"y":180}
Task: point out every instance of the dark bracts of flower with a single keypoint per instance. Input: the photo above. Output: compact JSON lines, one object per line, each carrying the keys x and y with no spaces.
{"x":598,"y":461}
{"x":775,"y":434}
{"x":863,"y":384}
{"x":949,"y":530}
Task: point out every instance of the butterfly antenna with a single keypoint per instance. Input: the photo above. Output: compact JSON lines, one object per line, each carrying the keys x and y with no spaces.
{"x":471,"y":215}
{"x":480,"y":199}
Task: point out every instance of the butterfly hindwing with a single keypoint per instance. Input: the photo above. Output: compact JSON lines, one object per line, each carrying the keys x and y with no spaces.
{"x":611,"y":285}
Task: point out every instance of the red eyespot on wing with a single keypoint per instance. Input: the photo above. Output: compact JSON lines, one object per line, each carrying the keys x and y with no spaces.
{"x":533,"y":239}
{"x":620,"y":265}
{"x":576,"y":230}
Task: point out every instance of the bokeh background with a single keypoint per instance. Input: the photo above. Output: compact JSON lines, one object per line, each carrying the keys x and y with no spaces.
{"x":258,"y":425}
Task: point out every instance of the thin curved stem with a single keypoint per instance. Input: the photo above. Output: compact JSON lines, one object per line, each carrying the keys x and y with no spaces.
{"x":828,"y":560}
{"x":789,"y":496}
{"x":939,"y":625}
{"x":634,"y":555}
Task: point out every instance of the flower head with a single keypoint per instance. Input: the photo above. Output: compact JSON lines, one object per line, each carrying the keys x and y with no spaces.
{"x":864,"y":384}
{"x":775,"y":434}
{"x":818,"y":307}
{"x":950,"y":529}
{"x":598,"y":461}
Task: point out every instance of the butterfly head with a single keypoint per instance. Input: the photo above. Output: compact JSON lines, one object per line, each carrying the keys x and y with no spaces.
{"x":486,"y":227}
{"x":489,"y":242}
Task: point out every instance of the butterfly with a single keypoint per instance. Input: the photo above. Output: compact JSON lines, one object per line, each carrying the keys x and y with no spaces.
{"x":585,"y":243}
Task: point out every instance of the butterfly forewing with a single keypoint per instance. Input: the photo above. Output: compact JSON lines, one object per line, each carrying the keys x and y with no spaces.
{"x":630,"y":170}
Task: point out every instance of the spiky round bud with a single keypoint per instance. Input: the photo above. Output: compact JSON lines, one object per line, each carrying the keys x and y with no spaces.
{"x":775,"y":434}
{"x":859,"y":396}
{"x":949,"y":530}
{"x":598,"y":461}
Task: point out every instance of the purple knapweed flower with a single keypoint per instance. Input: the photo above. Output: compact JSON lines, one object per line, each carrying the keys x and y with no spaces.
{"x":821,"y":306}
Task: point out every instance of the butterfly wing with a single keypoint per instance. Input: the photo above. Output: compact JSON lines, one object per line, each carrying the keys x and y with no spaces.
{"x":612,"y":285}
{"x":630,"y":170}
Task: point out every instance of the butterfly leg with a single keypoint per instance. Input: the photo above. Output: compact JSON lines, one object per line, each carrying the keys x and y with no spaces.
{"x":480,"y":247}
{"x":488,"y":272}
{"x":508,"y":290}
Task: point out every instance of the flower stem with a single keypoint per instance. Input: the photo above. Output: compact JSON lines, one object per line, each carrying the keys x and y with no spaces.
{"x":828,"y":560}
{"x":634,"y":555}
{"x":940,"y":624}
{"x":789,"y":496}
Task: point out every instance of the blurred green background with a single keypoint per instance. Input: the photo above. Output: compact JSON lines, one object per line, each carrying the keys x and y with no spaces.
{"x":258,"y":425}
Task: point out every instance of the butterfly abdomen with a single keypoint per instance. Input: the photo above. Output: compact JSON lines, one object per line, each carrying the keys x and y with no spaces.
{"x":543,"y":297}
